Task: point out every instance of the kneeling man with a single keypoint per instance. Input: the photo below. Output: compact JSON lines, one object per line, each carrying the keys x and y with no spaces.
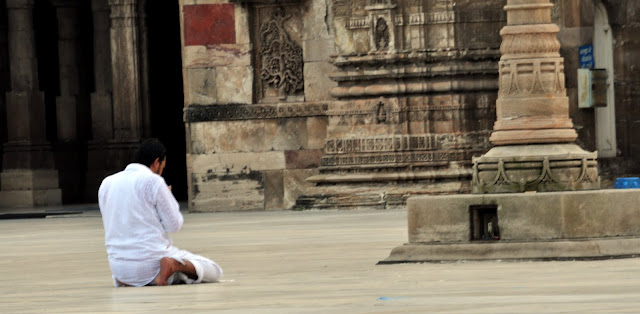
{"x":138,"y":213}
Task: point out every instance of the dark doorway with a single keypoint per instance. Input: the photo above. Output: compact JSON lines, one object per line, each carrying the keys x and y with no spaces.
{"x":165,"y":88}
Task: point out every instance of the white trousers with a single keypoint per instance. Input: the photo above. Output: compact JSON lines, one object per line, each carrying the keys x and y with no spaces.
{"x":206,"y":269}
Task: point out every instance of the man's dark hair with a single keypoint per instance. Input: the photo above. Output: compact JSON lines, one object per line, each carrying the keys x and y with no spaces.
{"x":148,"y":151}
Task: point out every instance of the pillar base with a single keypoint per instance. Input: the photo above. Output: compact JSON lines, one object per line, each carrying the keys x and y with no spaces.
{"x":29,"y":188}
{"x":542,"y":136}
{"x":541,"y":168}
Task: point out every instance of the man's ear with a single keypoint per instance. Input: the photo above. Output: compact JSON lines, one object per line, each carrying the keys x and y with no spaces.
{"x":155,"y":164}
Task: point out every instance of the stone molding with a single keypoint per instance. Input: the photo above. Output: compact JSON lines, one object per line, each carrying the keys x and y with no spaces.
{"x":204,"y":113}
{"x":399,"y":143}
{"x":20,"y":4}
{"x":365,"y":163}
{"x":541,"y":168}
{"x":124,"y":13}
{"x":526,"y":77}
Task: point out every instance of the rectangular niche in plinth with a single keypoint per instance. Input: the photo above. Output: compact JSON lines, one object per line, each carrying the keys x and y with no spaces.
{"x":484,"y":222}
{"x":277,"y":35}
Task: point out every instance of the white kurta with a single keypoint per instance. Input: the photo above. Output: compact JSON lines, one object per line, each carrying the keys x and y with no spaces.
{"x":138,"y":211}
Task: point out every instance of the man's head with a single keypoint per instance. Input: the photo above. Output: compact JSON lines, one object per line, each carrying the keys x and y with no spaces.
{"x":151,"y":153}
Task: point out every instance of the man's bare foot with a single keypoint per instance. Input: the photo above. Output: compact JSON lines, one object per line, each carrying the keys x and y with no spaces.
{"x":169,"y":266}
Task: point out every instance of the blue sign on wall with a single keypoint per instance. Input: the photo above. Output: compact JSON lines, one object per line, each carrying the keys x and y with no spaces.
{"x":586,"y":57}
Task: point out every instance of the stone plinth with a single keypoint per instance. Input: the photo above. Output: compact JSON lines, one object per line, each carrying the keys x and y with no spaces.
{"x":555,"y":225}
{"x":29,"y":188}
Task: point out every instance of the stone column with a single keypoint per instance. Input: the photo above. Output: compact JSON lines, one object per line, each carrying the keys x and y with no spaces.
{"x":4,"y":72}
{"x":28,"y":174}
{"x":67,"y":104}
{"x":72,"y":105}
{"x":101,"y":101}
{"x":533,"y":132}
{"x":126,"y":65}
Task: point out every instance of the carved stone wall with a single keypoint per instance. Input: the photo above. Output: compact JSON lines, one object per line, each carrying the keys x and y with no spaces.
{"x":411,"y":98}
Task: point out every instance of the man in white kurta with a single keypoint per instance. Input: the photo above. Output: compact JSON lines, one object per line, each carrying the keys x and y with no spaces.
{"x":138,"y":212}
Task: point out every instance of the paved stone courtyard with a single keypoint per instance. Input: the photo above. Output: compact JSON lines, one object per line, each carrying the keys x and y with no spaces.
{"x":296,"y":262}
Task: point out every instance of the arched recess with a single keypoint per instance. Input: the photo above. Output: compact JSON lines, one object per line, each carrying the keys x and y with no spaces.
{"x":603,"y":55}
{"x":166,"y":96}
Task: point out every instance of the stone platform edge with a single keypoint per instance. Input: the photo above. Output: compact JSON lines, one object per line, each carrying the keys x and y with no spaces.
{"x":578,"y":249}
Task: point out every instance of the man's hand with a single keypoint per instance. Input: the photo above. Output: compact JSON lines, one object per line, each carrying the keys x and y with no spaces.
{"x":170,"y":189}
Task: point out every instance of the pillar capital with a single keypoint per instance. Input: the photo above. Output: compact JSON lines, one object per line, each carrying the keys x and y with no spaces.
{"x":122,"y":2}
{"x":66,"y":3}
{"x":20,"y":4}
{"x":99,"y":5}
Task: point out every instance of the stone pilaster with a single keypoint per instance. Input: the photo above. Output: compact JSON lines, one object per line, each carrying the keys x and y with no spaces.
{"x":101,"y":100}
{"x":28,"y":174}
{"x":69,"y":100}
{"x":72,"y":104}
{"x":4,"y":72}
{"x":533,"y":132}
{"x":126,"y":67}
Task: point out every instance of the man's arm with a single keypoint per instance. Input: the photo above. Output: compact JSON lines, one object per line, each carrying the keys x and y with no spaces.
{"x":168,"y":209}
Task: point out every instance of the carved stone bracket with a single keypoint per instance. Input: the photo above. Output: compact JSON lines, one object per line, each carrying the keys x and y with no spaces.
{"x":198,"y":113}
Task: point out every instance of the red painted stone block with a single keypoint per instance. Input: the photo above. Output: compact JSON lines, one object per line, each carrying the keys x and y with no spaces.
{"x":209,"y":24}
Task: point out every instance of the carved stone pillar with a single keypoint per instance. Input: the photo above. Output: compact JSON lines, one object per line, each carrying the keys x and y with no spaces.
{"x":4,"y":72}
{"x":101,"y":102}
{"x":125,"y":61}
{"x":28,"y":175}
{"x":533,"y":130}
{"x":67,"y":103}
{"x":117,"y":103}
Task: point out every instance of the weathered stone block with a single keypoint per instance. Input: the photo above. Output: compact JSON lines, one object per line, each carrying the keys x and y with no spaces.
{"x":291,"y":134}
{"x":317,"y":83}
{"x":316,"y":20}
{"x":436,"y":219}
{"x":227,"y":191}
{"x":201,"y":86}
{"x":234,"y":84}
{"x":195,"y":144}
{"x":209,"y":24}
{"x":217,"y":56}
{"x":316,"y":132}
{"x":254,"y":135}
{"x":31,"y":198}
{"x":303,"y":159}
{"x":273,"y":190}
{"x":318,"y":50}
{"x":295,"y":184}
{"x":101,"y":116}
{"x":236,"y":162}
{"x":29,"y":179}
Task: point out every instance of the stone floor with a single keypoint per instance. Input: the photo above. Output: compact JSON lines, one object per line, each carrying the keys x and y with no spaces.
{"x":296,"y":262}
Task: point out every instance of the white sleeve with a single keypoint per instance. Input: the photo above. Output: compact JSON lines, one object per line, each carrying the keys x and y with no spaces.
{"x":168,"y":209}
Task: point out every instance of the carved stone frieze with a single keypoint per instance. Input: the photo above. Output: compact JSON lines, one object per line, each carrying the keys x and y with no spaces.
{"x":198,"y":113}
{"x":400,"y":143}
{"x":388,"y":161}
